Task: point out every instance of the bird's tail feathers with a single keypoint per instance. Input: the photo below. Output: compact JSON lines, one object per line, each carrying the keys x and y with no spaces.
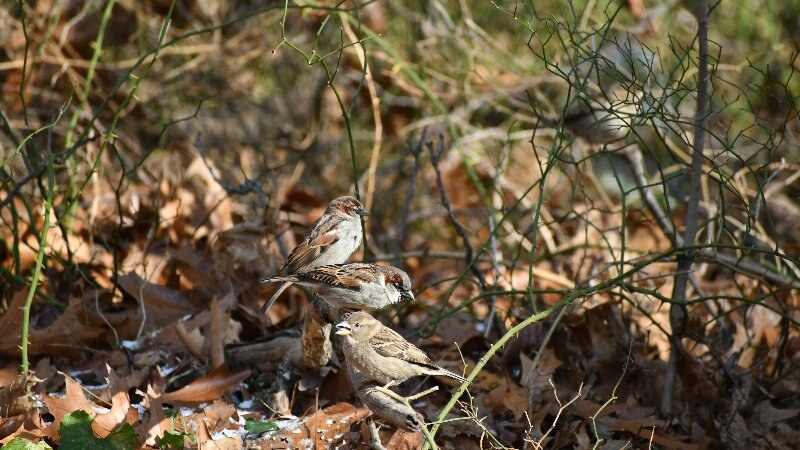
{"x":280,"y":279}
{"x":286,"y":282}
{"x":456,"y":376}
{"x":438,"y":371}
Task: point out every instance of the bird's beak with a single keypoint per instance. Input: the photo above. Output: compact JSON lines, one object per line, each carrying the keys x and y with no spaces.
{"x":408,"y":295}
{"x":343,"y":329}
{"x":362,"y":212}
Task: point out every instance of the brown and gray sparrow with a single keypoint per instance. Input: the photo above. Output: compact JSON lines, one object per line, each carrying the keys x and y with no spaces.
{"x":381,"y":354}
{"x":354,"y":285}
{"x":330,"y":240}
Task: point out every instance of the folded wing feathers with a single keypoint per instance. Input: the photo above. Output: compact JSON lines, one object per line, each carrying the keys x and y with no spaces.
{"x":334,"y":275}
{"x":305,"y":253}
{"x":388,"y":343}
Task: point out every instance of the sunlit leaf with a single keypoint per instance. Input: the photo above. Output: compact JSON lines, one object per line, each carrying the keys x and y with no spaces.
{"x":76,"y":433}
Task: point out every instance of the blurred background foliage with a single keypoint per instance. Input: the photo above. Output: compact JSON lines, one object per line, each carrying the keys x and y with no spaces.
{"x":567,"y":130}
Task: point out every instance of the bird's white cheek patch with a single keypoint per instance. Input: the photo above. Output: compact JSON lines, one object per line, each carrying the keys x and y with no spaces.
{"x":394,"y":294}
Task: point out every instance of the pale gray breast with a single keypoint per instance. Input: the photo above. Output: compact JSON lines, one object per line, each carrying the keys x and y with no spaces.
{"x":351,"y":233}
{"x":349,"y":238}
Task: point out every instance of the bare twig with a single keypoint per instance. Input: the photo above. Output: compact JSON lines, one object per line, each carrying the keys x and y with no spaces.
{"x":248,"y":186}
{"x":750,"y":269}
{"x":416,"y":151}
{"x":495,"y":264}
{"x":538,"y":357}
{"x":561,"y":407}
{"x":613,"y":397}
{"x":678,"y":311}
{"x":634,"y":157}
{"x":445,"y":200}
{"x":376,"y":113}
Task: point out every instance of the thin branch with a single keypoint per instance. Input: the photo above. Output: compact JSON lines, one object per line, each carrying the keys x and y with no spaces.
{"x":375,"y":437}
{"x":445,"y":200}
{"x":678,"y":311}
{"x":416,"y":151}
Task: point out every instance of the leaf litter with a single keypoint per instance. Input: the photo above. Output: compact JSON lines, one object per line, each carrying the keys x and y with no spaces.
{"x":141,"y":355}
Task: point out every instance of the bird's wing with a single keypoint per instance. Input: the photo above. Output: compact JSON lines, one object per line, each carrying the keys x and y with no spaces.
{"x":388,"y":343}
{"x":307,"y":251}
{"x":346,"y":276}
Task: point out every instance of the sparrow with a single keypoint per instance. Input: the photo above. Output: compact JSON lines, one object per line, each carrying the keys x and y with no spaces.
{"x":355,"y":286}
{"x":330,"y":240}
{"x":381,"y":354}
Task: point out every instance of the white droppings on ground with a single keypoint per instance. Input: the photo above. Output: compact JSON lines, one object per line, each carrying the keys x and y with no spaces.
{"x":130,"y":345}
{"x":100,"y":409}
{"x":246,"y":404}
{"x":141,"y":410}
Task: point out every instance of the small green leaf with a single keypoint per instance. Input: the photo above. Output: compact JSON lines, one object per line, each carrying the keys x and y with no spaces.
{"x":257,"y":427}
{"x":76,"y":434}
{"x":174,"y":439}
{"x":22,"y":444}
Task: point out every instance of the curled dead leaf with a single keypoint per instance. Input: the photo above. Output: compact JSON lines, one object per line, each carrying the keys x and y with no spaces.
{"x":120,"y":404}
{"x":209,"y":387}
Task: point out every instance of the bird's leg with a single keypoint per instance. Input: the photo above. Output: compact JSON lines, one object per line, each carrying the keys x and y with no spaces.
{"x":423,"y":393}
{"x":385,"y":389}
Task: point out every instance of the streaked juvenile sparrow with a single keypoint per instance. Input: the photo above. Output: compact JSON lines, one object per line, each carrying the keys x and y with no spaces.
{"x":330,"y":240}
{"x":381,"y":354}
{"x":354,"y":285}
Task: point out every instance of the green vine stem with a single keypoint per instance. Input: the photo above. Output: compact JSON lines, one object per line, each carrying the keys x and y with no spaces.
{"x":37,"y":269}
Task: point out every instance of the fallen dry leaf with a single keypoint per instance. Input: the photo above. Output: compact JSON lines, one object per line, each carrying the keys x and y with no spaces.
{"x":209,"y":387}
{"x":164,"y":306}
{"x":8,"y":375}
{"x":65,"y":335}
{"x":218,"y":416}
{"x":223,"y":329}
{"x":224,"y":443}
{"x":508,"y":396}
{"x":30,"y":426}
{"x":405,"y":440}
{"x":15,"y":399}
{"x":155,"y":424}
{"x":73,"y":400}
{"x":769,"y":415}
{"x":323,"y":429}
{"x":120,"y":404}
{"x":193,"y":339}
{"x":240,"y":253}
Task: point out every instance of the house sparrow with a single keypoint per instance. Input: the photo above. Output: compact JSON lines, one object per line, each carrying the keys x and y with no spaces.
{"x":381,"y":354}
{"x":355,"y":285}
{"x":330,"y":240}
